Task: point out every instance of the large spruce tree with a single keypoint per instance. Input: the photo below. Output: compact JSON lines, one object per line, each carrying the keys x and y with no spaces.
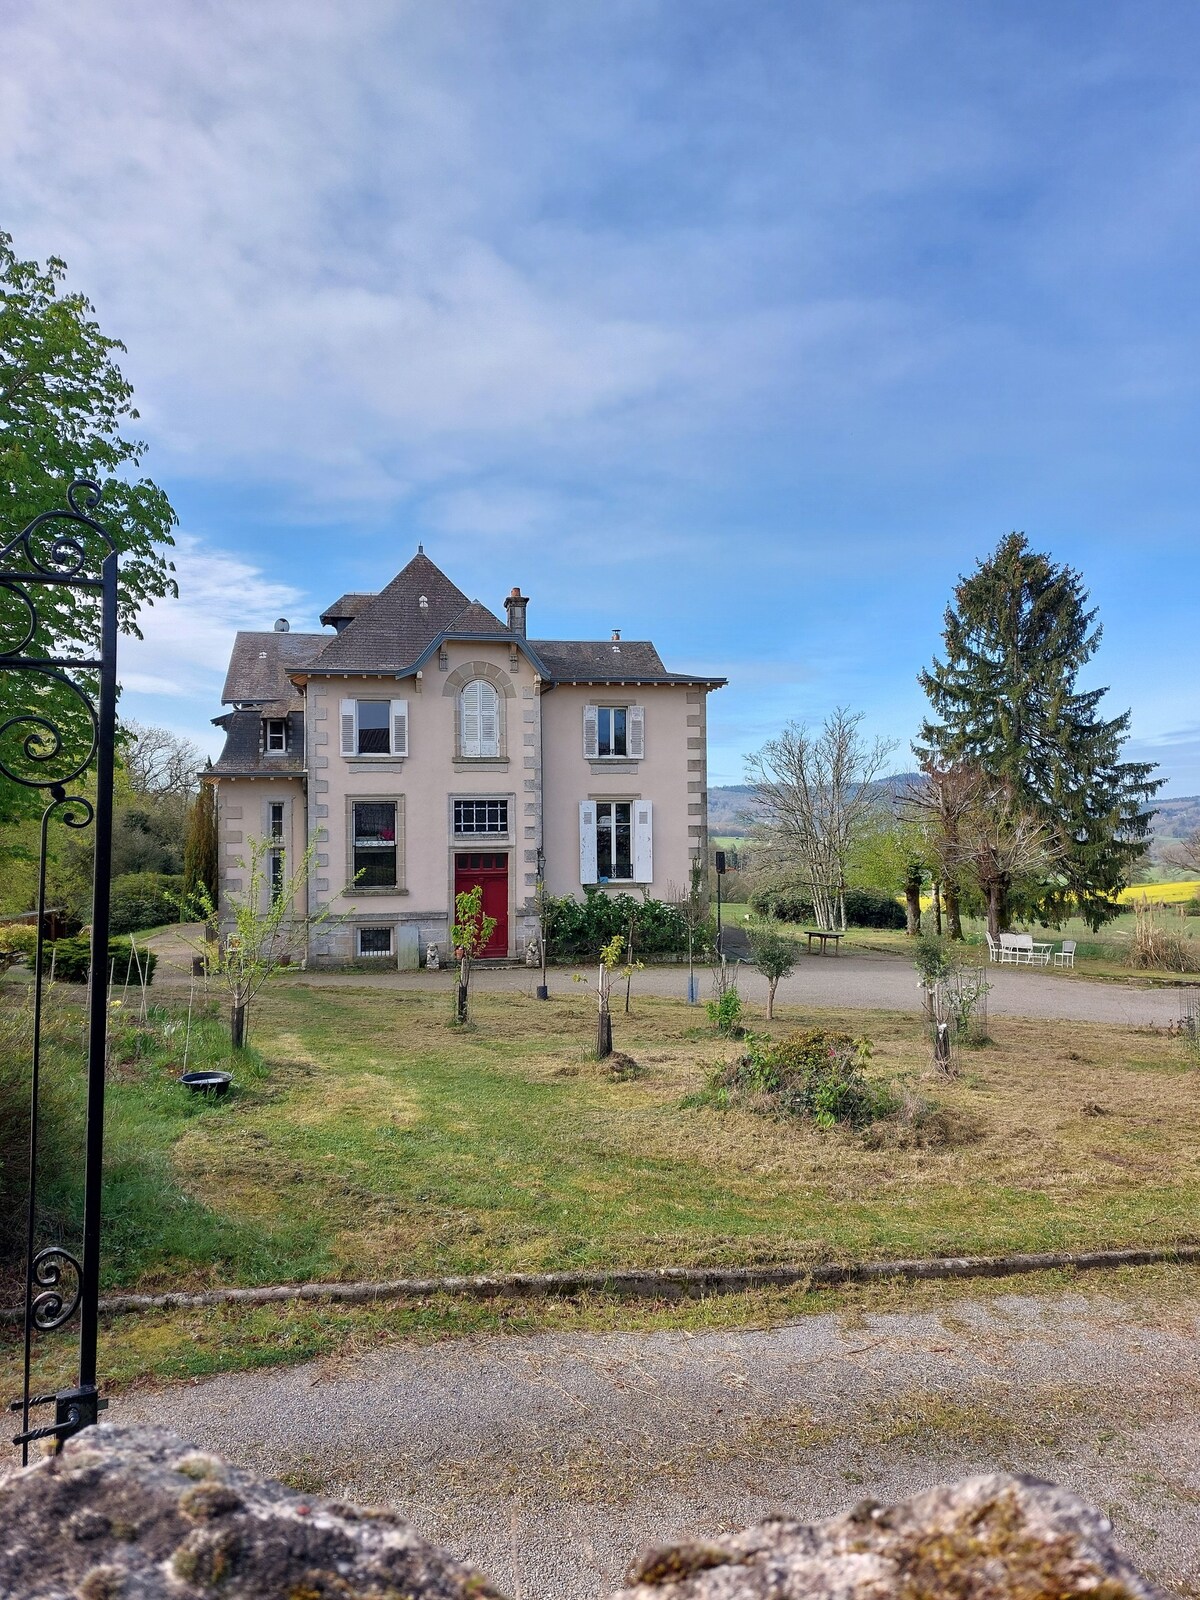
{"x":1005,"y":702}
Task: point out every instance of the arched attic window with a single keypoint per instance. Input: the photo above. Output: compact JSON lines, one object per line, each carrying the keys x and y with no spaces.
{"x":478,"y":719}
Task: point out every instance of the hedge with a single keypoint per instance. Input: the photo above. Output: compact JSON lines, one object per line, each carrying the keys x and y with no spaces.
{"x":578,"y":928}
{"x":72,"y":957}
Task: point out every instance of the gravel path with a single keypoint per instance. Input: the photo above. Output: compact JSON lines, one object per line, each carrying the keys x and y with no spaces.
{"x":864,"y":981}
{"x":547,"y":1460}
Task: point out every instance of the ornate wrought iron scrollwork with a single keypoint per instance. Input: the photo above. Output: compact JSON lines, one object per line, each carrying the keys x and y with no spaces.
{"x":43,"y":757}
{"x":67,"y":556}
{"x":61,"y":721}
{"x":53,"y":1305}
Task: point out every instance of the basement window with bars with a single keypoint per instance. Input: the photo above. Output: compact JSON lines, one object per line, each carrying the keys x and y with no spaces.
{"x":480,"y":816}
{"x":375,"y":844}
{"x":374,"y":941}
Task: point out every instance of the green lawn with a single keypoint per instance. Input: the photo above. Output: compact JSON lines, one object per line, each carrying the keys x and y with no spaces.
{"x":368,"y":1139}
{"x":1102,"y":954}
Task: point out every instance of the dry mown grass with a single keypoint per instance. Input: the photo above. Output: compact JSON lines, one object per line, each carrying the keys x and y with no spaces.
{"x":381,"y":1143}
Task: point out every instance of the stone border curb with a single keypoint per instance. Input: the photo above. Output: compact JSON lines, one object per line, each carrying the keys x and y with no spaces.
{"x":653,"y":1282}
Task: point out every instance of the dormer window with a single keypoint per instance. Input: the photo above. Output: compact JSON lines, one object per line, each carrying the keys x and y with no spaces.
{"x":275,"y":732}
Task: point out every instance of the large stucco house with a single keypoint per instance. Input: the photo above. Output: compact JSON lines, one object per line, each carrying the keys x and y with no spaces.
{"x":425,"y":746}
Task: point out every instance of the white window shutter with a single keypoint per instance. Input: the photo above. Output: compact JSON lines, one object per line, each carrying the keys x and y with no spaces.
{"x":587,"y":842}
{"x":591,"y":734}
{"x":399,"y":727}
{"x":643,"y":842}
{"x":635,"y":732}
{"x":349,"y":714}
{"x":469,"y":719}
{"x":489,"y":720}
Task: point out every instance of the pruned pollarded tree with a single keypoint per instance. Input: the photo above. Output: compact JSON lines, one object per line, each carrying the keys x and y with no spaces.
{"x":815,"y":800}
{"x":939,"y":803}
{"x":1003,"y":845}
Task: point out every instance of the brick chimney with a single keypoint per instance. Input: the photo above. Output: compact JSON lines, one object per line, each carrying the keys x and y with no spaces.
{"x":515,"y":606}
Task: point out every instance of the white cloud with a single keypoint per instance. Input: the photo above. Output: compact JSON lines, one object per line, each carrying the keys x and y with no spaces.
{"x":185,"y":649}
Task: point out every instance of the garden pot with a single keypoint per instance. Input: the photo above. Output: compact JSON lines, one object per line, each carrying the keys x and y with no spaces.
{"x":214,"y":1083}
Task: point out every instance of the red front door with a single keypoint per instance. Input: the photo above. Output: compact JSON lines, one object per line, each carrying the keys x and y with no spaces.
{"x":473,"y":867}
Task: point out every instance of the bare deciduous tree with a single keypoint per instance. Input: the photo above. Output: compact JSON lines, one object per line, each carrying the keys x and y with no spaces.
{"x":815,"y":800}
{"x":160,"y":762}
{"x":939,"y":802}
{"x":980,"y":833}
{"x":1184,"y":855}
{"x":1000,"y":843}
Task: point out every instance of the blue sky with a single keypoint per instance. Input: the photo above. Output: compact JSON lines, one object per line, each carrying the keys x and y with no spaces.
{"x":745,"y":328}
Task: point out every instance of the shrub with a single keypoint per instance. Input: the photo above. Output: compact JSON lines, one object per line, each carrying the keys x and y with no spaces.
{"x":873,"y":908}
{"x":144,"y":900}
{"x":17,"y":939}
{"x":73,"y":956}
{"x":813,"y":1073}
{"x":725,"y":1013}
{"x":578,"y":928}
{"x":785,"y":902}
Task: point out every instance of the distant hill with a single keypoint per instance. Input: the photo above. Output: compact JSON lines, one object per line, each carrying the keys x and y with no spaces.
{"x":730,"y":808}
{"x":1177,"y":818}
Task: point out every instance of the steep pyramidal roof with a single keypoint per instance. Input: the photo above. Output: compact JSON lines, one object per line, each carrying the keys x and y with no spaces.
{"x":393,"y":627}
{"x":260,"y":664}
{"x":478,"y":619}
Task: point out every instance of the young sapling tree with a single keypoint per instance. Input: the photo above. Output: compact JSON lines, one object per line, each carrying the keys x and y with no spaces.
{"x":268,"y":930}
{"x":470,"y":935}
{"x":610,"y":967}
{"x":774,"y":955}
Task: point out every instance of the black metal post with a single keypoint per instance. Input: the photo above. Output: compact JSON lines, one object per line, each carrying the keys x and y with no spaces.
{"x":106,"y":729}
{"x":56,"y":551}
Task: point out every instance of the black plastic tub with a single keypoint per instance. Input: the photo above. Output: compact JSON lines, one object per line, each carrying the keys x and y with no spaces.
{"x":215,"y":1083}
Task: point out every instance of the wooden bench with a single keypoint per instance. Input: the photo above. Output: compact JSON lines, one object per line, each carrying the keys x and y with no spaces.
{"x":825,"y":935}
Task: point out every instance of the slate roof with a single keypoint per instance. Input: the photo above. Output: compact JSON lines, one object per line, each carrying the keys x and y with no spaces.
{"x":392,"y":632}
{"x":477,"y":619}
{"x":345,"y":609}
{"x":585,"y":660}
{"x":260,"y":663}
{"x":243,"y":753}
{"x":393,"y":628}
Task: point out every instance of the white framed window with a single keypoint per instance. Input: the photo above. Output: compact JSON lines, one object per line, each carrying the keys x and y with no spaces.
{"x":614,"y":733}
{"x":479,"y":720}
{"x":616,"y":841}
{"x":480,"y":816}
{"x":275,"y":732}
{"x":374,"y":727}
{"x":275,"y":818}
{"x":374,"y":941}
{"x":374,"y":860}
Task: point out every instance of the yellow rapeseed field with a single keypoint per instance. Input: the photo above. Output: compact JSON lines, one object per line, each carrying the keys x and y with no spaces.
{"x":1160,"y":894}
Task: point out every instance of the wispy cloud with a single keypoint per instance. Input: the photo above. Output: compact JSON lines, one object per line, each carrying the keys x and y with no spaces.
{"x":186,"y":642}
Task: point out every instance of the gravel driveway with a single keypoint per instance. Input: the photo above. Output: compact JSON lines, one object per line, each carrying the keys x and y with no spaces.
{"x":547,"y":1460}
{"x":864,"y":981}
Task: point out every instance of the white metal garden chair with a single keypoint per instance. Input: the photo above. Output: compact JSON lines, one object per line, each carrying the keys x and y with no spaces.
{"x":1066,"y":956}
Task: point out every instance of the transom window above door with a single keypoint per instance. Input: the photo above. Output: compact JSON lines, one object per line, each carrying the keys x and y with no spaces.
{"x":479,"y":720}
{"x":480,"y":816}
